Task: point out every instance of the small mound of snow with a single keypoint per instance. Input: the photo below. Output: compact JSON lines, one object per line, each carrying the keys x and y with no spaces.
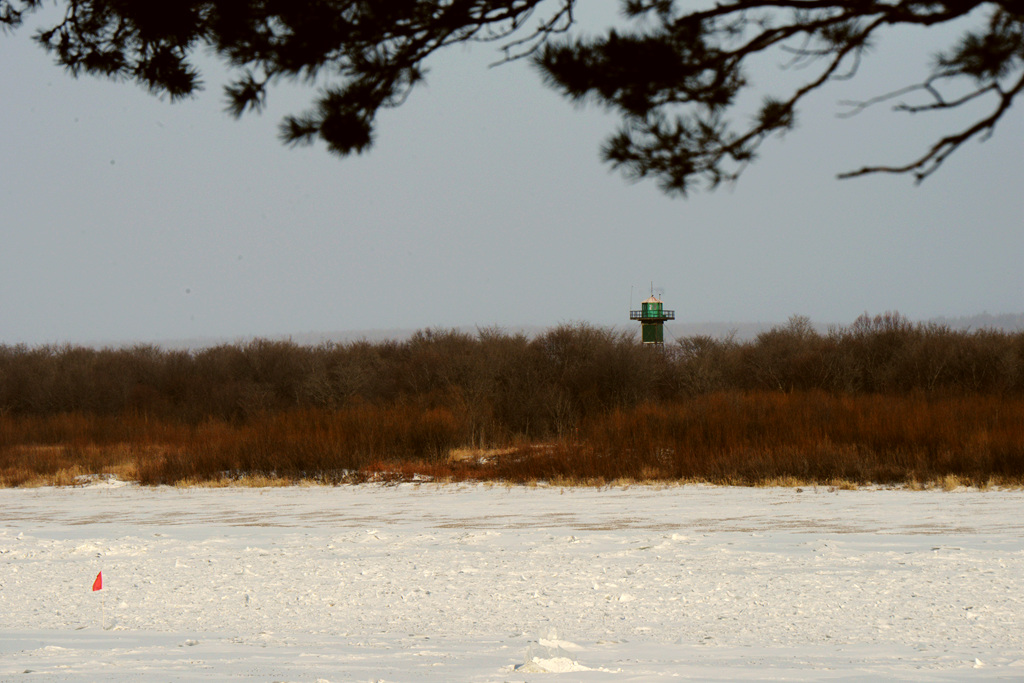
{"x":550,"y":655}
{"x":554,"y":665}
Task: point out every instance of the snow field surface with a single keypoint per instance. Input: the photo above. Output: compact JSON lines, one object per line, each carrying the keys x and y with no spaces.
{"x":487,"y":583}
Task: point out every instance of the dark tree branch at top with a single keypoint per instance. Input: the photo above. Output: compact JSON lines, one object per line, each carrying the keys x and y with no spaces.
{"x":674,"y":75}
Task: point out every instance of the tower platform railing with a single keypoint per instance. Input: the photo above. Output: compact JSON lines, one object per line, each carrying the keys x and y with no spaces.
{"x":652,"y":315}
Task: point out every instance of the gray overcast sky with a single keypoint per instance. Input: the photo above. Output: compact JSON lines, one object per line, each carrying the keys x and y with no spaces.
{"x":125,"y":218}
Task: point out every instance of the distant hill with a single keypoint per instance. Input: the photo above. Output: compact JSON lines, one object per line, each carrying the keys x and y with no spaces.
{"x":1005,"y":322}
{"x":741,"y":331}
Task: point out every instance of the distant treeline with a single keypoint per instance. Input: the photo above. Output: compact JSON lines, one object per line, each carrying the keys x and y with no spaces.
{"x":882,"y":400}
{"x":509,"y":384}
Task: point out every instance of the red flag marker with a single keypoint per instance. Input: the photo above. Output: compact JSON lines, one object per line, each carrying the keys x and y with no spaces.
{"x":98,"y":583}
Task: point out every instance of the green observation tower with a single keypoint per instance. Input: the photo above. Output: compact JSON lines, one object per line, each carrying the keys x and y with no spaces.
{"x":652,"y":316}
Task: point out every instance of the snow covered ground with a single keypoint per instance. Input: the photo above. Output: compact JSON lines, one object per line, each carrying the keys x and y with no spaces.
{"x":486,"y":583}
